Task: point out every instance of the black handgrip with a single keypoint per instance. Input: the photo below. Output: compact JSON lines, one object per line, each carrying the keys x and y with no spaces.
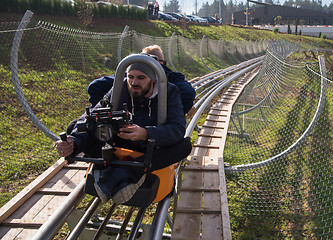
{"x":63,"y":136}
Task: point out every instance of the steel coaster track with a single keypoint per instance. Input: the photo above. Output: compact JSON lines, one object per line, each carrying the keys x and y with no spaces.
{"x":58,"y":191}
{"x":47,"y":197}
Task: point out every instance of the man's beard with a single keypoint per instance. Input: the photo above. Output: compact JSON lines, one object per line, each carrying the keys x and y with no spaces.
{"x":138,"y":95}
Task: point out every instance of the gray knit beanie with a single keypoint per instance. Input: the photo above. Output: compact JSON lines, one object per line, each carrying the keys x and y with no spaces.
{"x":145,"y":69}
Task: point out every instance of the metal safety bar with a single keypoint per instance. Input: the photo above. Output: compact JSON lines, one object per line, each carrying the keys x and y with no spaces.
{"x":161,"y":80}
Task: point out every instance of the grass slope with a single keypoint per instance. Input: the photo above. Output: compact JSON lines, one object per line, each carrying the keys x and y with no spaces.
{"x":164,"y":29}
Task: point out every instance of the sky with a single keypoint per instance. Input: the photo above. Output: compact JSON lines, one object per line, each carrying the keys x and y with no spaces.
{"x":188,"y":6}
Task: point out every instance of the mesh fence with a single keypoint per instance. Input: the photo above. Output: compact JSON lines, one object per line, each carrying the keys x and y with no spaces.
{"x":55,"y":65}
{"x":52,"y":67}
{"x":280,"y":150}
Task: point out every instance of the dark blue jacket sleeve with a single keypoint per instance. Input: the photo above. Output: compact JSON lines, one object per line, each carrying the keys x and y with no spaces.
{"x":98,"y":88}
{"x":187,"y":92}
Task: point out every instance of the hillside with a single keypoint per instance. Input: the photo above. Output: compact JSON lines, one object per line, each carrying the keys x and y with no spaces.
{"x":163,"y":29}
{"x":56,"y":89}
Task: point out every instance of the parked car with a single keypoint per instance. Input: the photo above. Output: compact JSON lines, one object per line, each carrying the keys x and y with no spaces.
{"x":212,"y":20}
{"x":134,"y":6}
{"x":178,"y":16}
{"x":105,"y":3}
{"x":166,"y":17}
{"x":195,"y":18}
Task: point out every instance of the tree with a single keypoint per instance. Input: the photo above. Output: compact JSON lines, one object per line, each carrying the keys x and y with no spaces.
{"x":289,"y":29}
{"x":204,"y":11}
{"x":210,"y":10}
{"x":172,"y":6}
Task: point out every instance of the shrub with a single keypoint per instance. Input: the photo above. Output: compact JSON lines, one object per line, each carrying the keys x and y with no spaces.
{"x":323,"y":36}
{"x":113,"y":11}
{"x":131,"y":13}
{"x":13,"y":5}
{"x":103,"y":11}
{"x":276,"y":30}
{"x":141,"y":14}
{"x":35,"y":6}
{"x":4,"y":5}
{"x":122,"y":11}
{"x":60,"y":7}
{"x":56,"y":8}
{"x":23,"y":6}
{"x":46,"y":6}
{"x":67,"y":9}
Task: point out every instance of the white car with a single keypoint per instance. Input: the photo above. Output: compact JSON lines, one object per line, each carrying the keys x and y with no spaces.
{"x":106,"y":3}
{"x":134,"y":6}
{"x":195,"y":18}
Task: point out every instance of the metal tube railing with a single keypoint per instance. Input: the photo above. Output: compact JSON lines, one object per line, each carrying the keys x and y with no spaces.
{"x":200,"y":50}
{"x":120,"y":43}
{"x":157,"y":226}
{"x":15,"y":78}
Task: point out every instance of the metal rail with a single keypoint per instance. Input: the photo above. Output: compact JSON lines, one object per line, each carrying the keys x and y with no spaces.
{"x":55,"y":222}
{"x":15,"y":78}
{"x":200,"y":50}
{"x":209,"y":98}
{"x":49,"y":229}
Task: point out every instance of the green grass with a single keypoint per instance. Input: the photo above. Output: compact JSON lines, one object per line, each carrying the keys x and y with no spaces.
{"x":62,"y":85}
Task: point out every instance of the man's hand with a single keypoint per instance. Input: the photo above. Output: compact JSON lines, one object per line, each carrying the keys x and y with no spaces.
{"x":65,"y":148}
{"x":133,"y":133}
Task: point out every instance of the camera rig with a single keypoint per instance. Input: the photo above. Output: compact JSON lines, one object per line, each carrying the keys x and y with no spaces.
{"x":107,"y":124}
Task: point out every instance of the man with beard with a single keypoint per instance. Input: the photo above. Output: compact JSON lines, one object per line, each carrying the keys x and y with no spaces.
{"x":99,"y":87}
{"x":140,"y":93}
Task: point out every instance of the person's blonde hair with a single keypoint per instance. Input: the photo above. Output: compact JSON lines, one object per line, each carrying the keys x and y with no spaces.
{"x":154,"y":50}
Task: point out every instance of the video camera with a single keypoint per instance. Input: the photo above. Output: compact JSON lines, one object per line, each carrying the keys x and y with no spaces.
{"x":108,"y":122}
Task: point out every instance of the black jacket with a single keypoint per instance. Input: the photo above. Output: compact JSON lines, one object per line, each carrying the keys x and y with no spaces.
{"x":145,"y":115}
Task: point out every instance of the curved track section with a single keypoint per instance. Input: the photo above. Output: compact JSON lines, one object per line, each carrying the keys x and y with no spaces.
{"x":202,"y":209}
{"x":43,"y":206}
